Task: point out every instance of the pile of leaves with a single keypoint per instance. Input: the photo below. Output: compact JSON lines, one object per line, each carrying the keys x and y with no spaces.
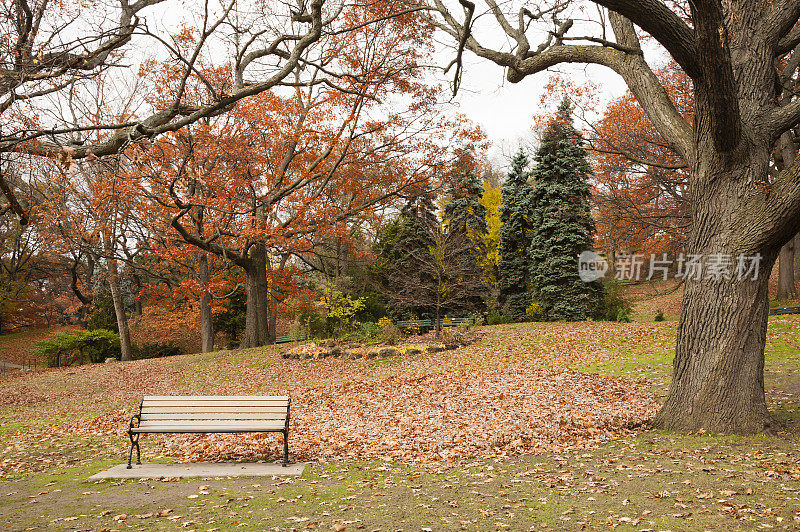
{"x":458,"y":412}
{"x":443,"y":417}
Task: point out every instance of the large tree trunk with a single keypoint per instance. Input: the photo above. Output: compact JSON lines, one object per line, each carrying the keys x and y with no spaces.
{"x":718,"y":380}
{"x":786,"y":280}
{"x":256,"y":331}
{"x":206,"y":319}
{"x":718,"y":371}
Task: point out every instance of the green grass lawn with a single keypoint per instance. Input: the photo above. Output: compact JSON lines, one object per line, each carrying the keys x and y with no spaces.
{"x":650,"y":481}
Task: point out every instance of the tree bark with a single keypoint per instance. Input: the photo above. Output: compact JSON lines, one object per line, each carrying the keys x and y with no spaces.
{"x":797,"y":256}
{"x":786,"y":279}
{"x":206,"y":319}
{"x":786,"y":268}
{"x":718,"y":370}
{"x":256,"y":331}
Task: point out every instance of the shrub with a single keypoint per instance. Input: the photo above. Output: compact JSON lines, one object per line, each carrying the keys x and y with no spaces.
{"x":389,"y":331}
{"x":614,"y":303}
{"x":497,"y":318}
{"x":156,"y":350}
{"x":623,"y":316}
{"x":341,"y":309}
{"x":535,"y":312}
{"x":79,"y":347}
{"x":446,"y":336}
{"x":659,"y":316}
{"x":370,"y":330}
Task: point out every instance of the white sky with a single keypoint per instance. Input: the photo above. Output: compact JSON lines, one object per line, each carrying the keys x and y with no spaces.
{"x":505,"y":110}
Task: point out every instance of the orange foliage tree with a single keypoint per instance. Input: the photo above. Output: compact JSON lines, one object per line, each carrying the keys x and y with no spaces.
{"x":286,"y":170}
{"x":640,"y":181}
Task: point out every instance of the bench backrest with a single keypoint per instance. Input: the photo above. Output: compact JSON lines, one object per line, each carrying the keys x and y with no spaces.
{"x":179,"y":408}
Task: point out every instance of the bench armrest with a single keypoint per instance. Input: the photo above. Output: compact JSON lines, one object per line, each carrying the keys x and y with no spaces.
{"x":138,"y":418}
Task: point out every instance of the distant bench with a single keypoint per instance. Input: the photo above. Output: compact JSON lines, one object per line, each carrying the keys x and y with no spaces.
{"x":168,"y":414}
{"x":782,"y":311}
{"x":428,"y":324}
{"x":289,"y":338}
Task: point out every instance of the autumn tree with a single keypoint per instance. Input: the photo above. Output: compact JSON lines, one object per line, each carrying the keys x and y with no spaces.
{"x":737,"y":208}
{"x":422,"y":270}
{"x":491,"y":200}
{"x":282,"y":173}
{"x":50,"y":50}
{"x":516,"y":217}
{"x":640,"y":182}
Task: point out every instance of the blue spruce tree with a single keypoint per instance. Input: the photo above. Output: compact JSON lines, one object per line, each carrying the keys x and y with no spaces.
{"x":562,"y":225}
{"x":515,"y":239}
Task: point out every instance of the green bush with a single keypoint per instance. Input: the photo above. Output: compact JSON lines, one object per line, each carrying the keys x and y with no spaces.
{"x":364,"y":332}
{"x":623,"y":316}
{"x":79,"y":347}
{"x":535,"y":312}
{"x":497,"y":318}
{"x":156,"y":350}
{"x":659,"y":316}
{"x":614,"y":303}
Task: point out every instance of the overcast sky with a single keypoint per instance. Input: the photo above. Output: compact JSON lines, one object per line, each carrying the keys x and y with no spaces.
{"x":505,"y":110}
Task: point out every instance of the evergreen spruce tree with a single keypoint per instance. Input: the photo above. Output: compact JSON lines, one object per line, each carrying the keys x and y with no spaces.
{"x":562,"y":225}
{"x":515,"y":239}
{"x":405,"y":242}
{"x":465,"y":221}
{"x":464,"y":211}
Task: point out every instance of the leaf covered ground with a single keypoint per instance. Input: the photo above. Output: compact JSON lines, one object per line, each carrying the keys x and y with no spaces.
{"x":536,"y":425}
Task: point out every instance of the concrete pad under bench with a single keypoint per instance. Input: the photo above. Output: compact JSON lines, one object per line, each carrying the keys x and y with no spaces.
{"x":200,"y":469}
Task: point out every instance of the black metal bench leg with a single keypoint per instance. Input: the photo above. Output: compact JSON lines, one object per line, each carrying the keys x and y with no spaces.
{"x":285,"y":447}
{"x":134,"y":443}
{"x":130,"y":453}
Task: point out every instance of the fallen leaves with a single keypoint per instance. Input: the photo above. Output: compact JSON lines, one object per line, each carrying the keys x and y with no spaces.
{"x":512,"y":393}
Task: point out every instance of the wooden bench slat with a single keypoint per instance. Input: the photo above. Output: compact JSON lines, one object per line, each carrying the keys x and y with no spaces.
{"x":211,"y":409}
{"x":238,"y":398}
{"x":205,"y":426}
{"x":217,"y":416}
{"x":206,"y":404}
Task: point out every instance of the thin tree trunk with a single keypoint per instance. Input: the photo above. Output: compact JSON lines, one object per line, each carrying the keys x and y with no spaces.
{"x":119,"y":311}
{"x":256,"y":318}
{"x":206,"y":319}
{"x":797,"y":257}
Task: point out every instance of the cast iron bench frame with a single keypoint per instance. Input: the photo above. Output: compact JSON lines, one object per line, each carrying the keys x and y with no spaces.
{"x":199,"y":414}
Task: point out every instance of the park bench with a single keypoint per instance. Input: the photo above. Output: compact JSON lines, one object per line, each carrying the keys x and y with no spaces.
{"x":784,"y":311}
{"x":169,"y":414}
{"x":289,"y":338}
{"x":455,"y":322}
{"x":428,"y":324}
{"x":415,"y":324}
